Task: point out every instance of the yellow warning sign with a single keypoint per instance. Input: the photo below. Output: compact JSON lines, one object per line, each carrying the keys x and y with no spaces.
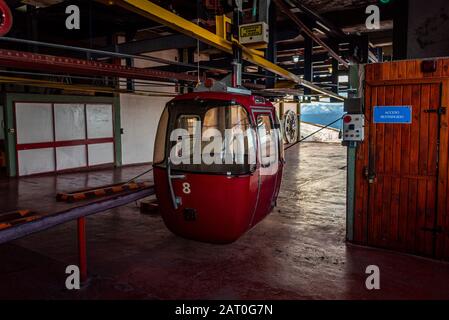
{"x":251,"y":31}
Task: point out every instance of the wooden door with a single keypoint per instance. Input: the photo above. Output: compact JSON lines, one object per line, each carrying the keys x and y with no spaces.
{"x":403,"y":170}
{"x":401,"y":174}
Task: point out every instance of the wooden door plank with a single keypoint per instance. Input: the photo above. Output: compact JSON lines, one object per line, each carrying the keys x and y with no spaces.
{"x":379,"y":168}
{"x":361,"y":193}
{"x":433,"y":130}
{"x":372,"y":143}
{"x":405,"y":171}
{"x":385,"y":71}
{"x":442,"y":243}
{"x":423,"y":236}
{"x":413,"y":169}
{"x":388,"y":167}
{"x":434,"y":103}
{"x":411,"y":74}
{"x":396,"y":169}
{"x":445,"y":68}
{"x":430,"y":215}
{"x":424,"y":130}
{"x":402,"y":69}
{"x":394,"y":70}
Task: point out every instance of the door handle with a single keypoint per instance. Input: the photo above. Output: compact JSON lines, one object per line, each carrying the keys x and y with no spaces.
{"x":176,"y":201}
{"x":369,"y":175}
{"x":438,"y":111}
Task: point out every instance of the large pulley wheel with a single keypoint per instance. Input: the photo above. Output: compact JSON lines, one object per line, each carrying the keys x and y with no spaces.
{"x":290,"y":126}
{"x":5,"y":18}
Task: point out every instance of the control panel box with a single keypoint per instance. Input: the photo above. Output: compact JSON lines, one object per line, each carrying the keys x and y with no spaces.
{"x":253,"y":33}
{"x":354,"y":127}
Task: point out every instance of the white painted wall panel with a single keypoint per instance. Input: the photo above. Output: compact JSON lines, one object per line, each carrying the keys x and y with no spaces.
{"x":99,"y":121}
{"x":69,"y":122}
{"x":139,"y":118}
{"x":101,"y":153}
{"x":70,"y":157}
{"x":34,"y":122}
{"x":36,"y":161}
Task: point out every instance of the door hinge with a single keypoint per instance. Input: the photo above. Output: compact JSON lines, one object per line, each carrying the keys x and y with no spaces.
{"x":440,"y":110}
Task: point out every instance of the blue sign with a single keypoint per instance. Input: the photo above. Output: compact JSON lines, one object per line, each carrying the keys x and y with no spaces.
{"x":396,"y":114}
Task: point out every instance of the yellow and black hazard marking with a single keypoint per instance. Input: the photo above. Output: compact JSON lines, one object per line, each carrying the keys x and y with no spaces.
{"x":100,"y":192}
{"x":9,"y":219}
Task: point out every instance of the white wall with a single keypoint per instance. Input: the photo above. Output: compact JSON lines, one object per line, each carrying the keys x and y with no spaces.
{"x":140,"y":114}
{"x":139,"y":118}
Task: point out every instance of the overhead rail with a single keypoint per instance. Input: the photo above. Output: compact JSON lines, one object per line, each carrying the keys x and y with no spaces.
{"x":27,"y":60}
{"x":105,"y":53}
{"x":156,"y":13}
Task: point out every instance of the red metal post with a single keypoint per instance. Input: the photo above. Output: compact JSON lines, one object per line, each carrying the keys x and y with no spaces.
{"x":82,"y":252}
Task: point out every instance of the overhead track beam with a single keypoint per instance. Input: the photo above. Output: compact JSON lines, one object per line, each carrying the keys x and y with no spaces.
{"x":27,"y":60}
{"x":165,"y":17}
{"x":305,"y":29}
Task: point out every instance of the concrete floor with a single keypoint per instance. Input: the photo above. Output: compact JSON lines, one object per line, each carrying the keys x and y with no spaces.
{"x":298,"y":252}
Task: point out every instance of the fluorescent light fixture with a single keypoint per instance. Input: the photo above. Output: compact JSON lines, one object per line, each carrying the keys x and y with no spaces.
{"x":323,"y":26}
{"x":319,"y":31}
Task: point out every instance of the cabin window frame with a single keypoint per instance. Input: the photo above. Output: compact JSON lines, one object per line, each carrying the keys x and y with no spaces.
{"x":206,"y":105}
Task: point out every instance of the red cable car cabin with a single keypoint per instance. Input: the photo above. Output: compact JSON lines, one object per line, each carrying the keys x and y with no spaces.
{"x":217,"y":202}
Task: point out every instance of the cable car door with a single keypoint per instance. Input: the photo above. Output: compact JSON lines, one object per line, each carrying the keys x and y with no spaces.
{"x":179,"y":185}
{"x":269,"y":162}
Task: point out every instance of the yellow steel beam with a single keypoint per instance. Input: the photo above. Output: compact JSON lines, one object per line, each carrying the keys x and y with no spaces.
{"x":165,"y":17}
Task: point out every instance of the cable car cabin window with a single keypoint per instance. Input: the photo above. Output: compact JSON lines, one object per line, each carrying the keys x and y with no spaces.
{"x":190,"y":126}
{"x":215,"y":137}
{"x":267,"y":136}
{"x":161,"y":136}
